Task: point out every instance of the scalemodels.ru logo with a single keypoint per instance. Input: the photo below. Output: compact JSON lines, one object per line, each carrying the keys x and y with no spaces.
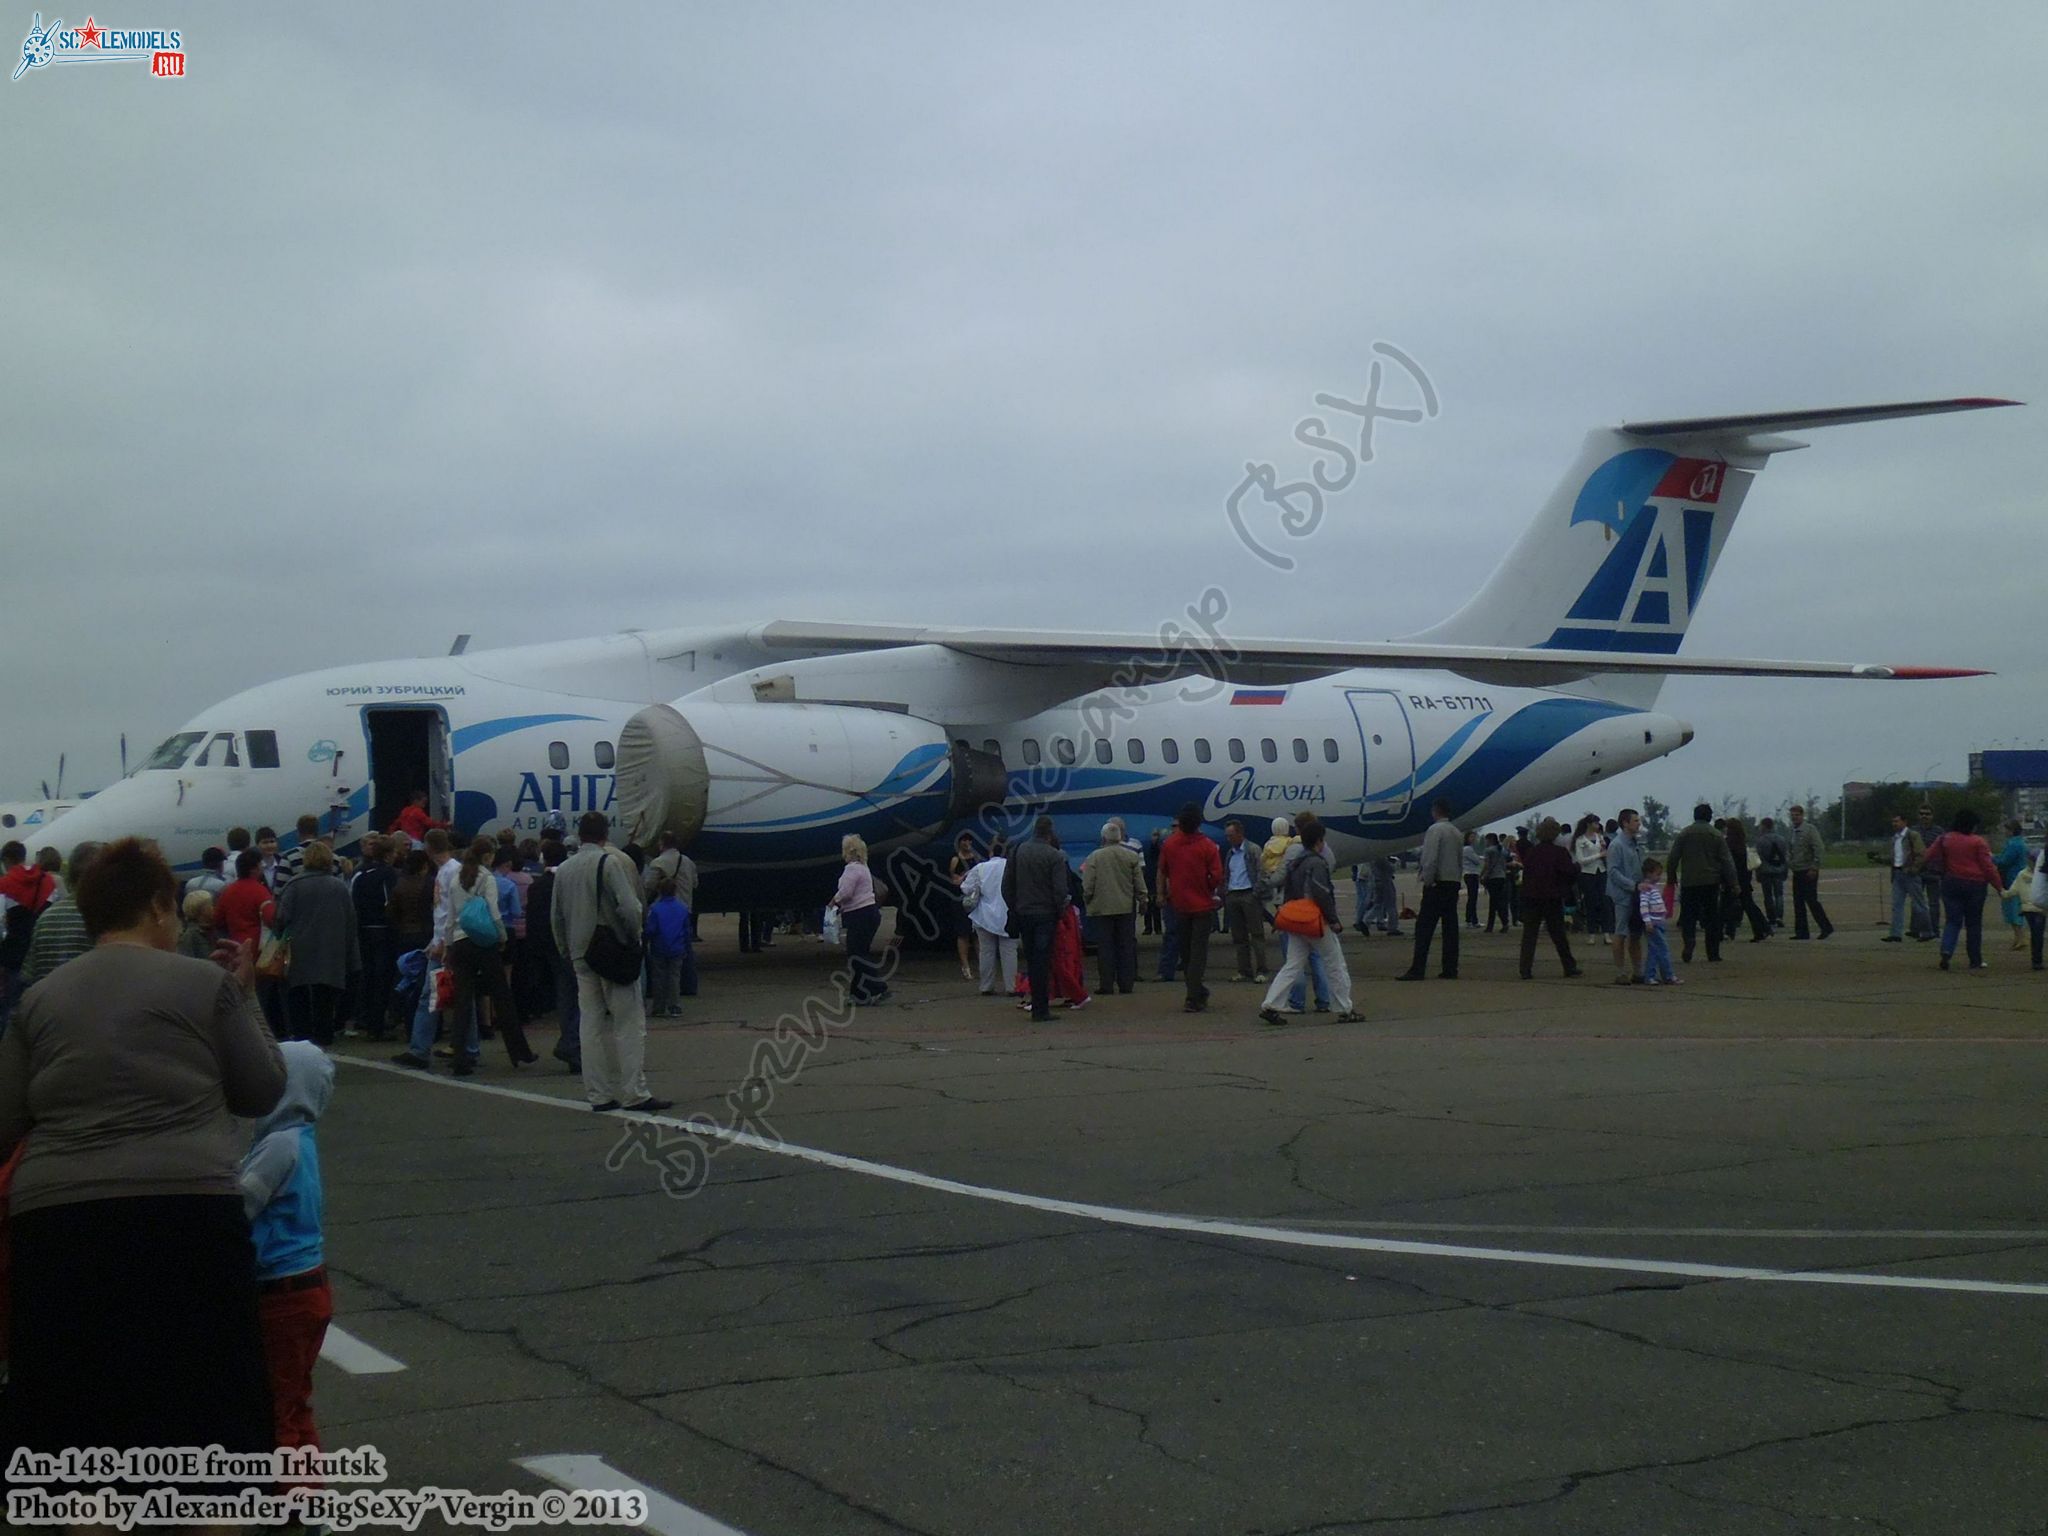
{"x":163,"y":51}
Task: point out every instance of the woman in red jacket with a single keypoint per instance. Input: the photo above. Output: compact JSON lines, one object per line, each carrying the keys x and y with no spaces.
{"x":1967,"y":870}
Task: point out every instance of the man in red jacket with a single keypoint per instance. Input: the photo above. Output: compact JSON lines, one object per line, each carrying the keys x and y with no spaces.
{"x":1191,"y":872}
{"x":27,"y":888}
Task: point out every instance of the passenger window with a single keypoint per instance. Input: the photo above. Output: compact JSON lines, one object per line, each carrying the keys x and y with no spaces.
{"x":1201,"y":749}
{"x":605,"y":756}
{"x":558,"y":755}
{"x":225,"y":740}
{"x":1269,"y":749}
{"x":1329,"y":749}
{"x":1063,"y":751}
{"x":1300,"y":750}
{"x":262,"y":748}
{"x":1236,"y":750}
{"x":1170,"y":750}
{"x":1031,"y":751}
{"x":172,"y":753}
{"x":1102,"y":749}
{"x":1135,"y":750}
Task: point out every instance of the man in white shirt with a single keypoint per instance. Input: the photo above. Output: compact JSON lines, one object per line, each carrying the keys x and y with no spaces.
{"x":982,"y":890}
{"x":1909,"y":854}
{"x":672,"y":864}
{"x":1241,"y":909}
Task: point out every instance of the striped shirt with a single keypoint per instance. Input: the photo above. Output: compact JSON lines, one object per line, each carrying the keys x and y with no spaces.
{"x":60,"y":935}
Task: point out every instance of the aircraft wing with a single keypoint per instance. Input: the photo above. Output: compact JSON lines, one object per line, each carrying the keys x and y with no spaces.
{"x":1132,"y":660}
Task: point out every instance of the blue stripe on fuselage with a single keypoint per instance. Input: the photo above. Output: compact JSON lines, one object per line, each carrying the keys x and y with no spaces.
{"x":465,"y":737}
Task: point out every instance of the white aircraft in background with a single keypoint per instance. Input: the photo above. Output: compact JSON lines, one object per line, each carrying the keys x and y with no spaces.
{"x":760,"y":747}
{"x":24,"y":820}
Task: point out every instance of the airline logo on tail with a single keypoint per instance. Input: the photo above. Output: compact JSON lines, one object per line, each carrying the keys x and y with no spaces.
{"x":1658,"y":512}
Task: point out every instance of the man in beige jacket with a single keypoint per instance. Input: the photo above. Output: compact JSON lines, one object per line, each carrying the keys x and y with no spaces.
{"x":1113,"y":890}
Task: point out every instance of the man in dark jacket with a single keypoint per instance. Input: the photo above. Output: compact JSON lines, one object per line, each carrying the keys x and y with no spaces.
{"x":1701,"y":869}
{"x":540,"y":932}
{"x":1773,"y":864}
{"x":1152,"y":846}
{"x":370,"y":890}
{"x":1035,"y":891}
{"x":1744,"y":904}
{"x":1549,"y":875}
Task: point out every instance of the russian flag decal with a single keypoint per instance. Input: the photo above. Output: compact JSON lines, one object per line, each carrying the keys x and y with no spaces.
{"x":1259,"y":696}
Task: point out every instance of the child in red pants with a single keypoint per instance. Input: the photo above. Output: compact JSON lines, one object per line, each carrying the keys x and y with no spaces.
{"x":281,"y":1192}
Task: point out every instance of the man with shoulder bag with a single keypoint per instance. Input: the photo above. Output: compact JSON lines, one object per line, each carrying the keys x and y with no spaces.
{"x":596,"y":917}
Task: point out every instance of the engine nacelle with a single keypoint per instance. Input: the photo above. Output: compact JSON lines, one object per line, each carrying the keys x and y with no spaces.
{"x":781,"y":783}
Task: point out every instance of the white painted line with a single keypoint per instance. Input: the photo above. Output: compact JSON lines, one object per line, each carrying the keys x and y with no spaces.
{"x":344,"y":1349}
{"x":1776,"y":1234}
{"x":1205,"y":1226}
{"x":664,"y":1514}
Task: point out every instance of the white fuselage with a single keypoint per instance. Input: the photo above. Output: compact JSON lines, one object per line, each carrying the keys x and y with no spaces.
{"x":508,"y":738}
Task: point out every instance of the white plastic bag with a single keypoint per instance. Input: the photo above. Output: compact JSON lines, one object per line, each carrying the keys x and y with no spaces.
{"x":835,"y":933}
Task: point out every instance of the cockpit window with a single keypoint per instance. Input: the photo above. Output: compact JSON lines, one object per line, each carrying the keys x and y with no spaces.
{"x":262,"y":748}
{"x":227,"y":758}
{"x":172,"y":753}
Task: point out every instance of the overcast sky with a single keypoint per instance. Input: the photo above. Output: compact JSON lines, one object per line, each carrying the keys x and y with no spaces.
{"x":388,"y":323}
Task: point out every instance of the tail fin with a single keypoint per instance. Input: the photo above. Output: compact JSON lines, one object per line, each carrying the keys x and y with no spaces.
{"x":1619,"y":556}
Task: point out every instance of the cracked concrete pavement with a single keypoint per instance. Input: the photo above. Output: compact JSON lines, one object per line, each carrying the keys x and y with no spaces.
{"x":803,"y":1349}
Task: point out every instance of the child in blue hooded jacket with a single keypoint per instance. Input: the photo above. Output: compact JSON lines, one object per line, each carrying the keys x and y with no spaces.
{"x":671,"y":958}
{"x":281,"y":1194}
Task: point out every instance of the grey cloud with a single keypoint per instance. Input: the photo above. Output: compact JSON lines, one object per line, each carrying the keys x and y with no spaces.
{"x":385,"y":325}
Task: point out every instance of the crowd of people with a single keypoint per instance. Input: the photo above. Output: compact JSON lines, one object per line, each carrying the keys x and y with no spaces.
{"x":414,"y":938}
{"x":1595,"y":880}
{"x":132,"y":1190}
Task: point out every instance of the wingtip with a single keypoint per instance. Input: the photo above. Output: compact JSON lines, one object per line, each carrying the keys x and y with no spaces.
{"x":1923,"y":674}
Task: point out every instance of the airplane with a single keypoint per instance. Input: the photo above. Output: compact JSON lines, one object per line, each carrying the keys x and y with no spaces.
{"x":22,"y":819}
{"x":761,"y":746}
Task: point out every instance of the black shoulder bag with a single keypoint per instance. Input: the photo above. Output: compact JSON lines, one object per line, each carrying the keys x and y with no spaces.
{"x":617,"y":960}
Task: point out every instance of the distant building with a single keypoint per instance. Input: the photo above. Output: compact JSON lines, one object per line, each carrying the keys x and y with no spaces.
{"x":2021,"y":777}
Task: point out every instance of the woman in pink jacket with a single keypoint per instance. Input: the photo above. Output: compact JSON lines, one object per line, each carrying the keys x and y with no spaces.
{"x":1967,"y":870}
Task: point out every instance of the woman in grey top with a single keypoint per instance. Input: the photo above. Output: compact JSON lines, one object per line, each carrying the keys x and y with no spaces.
{"x":319,"y":917}
{"x":1493,"y":874}
{"x":134,"y":1281}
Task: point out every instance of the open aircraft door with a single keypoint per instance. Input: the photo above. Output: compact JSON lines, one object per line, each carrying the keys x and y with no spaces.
{"x":409,"y":750}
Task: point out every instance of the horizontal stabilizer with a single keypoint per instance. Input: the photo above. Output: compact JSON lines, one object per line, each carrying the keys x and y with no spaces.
{"x":1796,"y":421}
{"x":1135,"y":660}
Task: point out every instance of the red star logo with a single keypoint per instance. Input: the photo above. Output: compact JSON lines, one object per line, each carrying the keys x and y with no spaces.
{"x":88,"y":35}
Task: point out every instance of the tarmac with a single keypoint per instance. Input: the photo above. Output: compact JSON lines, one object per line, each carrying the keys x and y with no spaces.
{"x":1763,"y":1253}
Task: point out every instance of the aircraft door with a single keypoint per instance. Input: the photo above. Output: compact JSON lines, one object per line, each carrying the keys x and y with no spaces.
{"x":1389,"y":748}
{"x":408,"y":751}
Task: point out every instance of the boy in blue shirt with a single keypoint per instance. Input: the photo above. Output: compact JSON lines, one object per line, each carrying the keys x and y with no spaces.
{"x":281,"y":1193}
{"x":671,"y":964}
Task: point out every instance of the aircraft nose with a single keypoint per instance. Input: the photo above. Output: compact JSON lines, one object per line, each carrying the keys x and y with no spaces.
{"x":1684,"y":733}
